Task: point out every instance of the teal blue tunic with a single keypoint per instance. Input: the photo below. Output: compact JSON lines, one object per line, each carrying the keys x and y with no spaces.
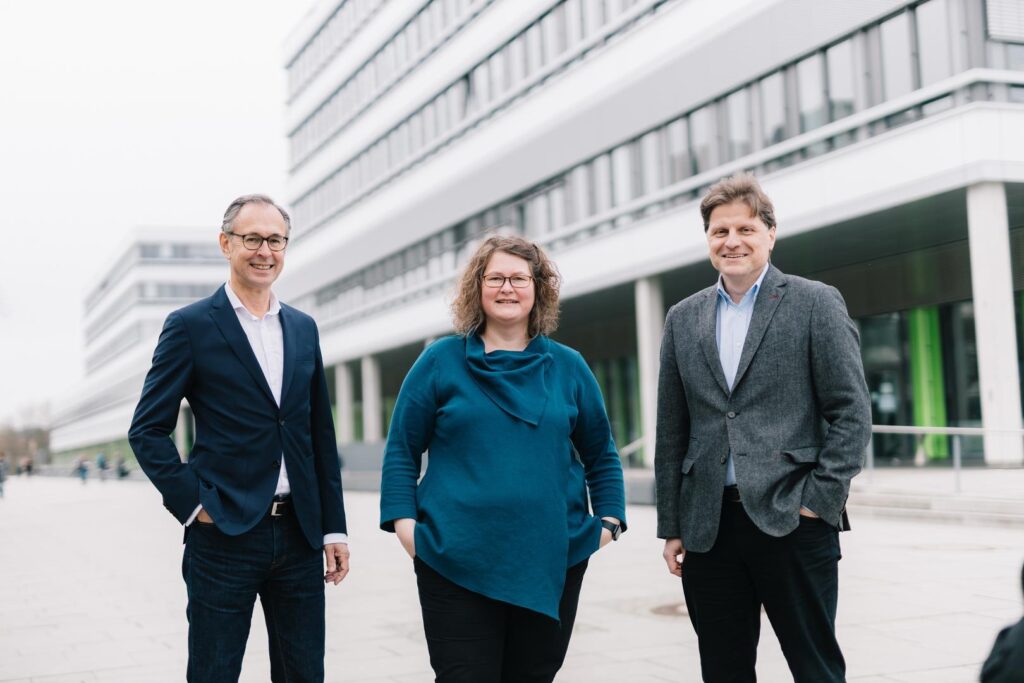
{"x":502,"y":509}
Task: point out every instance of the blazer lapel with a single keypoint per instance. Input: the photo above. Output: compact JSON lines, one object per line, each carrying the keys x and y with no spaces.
{"x":226,"y":320}
{"x":768,"y":299}
{"x":290,"y":341}
{"x":708,"y":337}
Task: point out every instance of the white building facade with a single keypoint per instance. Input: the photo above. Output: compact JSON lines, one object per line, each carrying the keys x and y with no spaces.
{"x":154,"y":271}
{"x":889,"y":133}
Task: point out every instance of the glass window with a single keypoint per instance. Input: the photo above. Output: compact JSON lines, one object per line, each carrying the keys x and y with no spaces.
{"x":1015,"y":56}
{"x":773,"y":109}
{"x":517,"y":60}
{"x":897,"y":74}
{"x":499,"y":71}
{"x":679,"y":162}
{"x":703,"y":141}
{"x":841,"y":83}
{"x":651,"y":152}
{"x":573,"y":21}
{"x":554,"y":31}
{"x":593,"y":16}
{"x":933,"y":41}
{"x":811,"y":93}
{"x":622,"y":175}
{"x":534,"y":50}
{"x":738,"y":110}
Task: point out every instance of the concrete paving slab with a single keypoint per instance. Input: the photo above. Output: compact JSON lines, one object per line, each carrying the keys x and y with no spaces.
{"x":91,"y":590}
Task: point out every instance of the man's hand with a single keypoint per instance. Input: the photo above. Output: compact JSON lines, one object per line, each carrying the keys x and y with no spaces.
{"x":804,"y":512}
{"x":336,"y":555}
{"x":673,"y":554}
{"x":405,"y":530}
{"x":203,"y":517}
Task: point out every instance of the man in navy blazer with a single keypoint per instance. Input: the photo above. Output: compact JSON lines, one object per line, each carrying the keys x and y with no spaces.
{"x":260,"y":492}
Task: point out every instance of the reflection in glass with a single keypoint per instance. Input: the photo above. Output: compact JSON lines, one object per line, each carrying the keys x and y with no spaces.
{"x":897,"y":71}
{"x":934,"y":56}
{"x":738,"y":110}
{"x":702,"y":138}
{"x":811,"y":93}
{"x":678,"y":161}
{"x":841,"y":88}
{"x":773,"y":109}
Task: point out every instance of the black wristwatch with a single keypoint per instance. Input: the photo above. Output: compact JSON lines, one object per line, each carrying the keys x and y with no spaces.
{"x":616,"y":529}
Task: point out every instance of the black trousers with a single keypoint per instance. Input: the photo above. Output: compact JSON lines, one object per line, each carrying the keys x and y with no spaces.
{"x":795,"y":578}
{"x":474,"y":639}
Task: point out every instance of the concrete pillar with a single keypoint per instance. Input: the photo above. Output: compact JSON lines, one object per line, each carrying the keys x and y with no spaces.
{"x":344,"y":395}
{"x":373,"y":412}
{"x":181,"y":433}
{"x":650,"y":321}
{"x":994,"y":328}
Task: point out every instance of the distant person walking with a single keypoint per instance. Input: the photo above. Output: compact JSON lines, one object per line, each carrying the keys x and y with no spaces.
{"x":102,"y":465}
{"x":260,"y":492}
{"x":3,"y":472}
{"x":763,"y":418}
{"x":499,"y":528}
{"x":122,"y":468}
{"x":82,"y":469}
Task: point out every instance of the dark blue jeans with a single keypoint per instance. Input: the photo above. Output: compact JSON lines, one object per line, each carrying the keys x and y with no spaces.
{"x":224,"y":574}
{"x":795,"y":578}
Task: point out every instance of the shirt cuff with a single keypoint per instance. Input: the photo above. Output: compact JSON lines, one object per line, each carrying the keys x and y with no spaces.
{"x":335,"y":538}
{"x":195,"y":513}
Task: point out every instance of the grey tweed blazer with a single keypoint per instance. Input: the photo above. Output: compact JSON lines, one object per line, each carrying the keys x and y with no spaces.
{"x":797,"y":418}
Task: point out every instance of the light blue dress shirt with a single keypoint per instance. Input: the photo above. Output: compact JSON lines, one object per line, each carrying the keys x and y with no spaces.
{"x":730,"y":334}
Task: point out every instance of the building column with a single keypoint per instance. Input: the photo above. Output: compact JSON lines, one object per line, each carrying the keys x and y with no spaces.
{"x":650,"y":321}
{"x":994,"y":327}
{"x":373,"y":423}
{"x":344,"y":396}
{"x":181,"y":433}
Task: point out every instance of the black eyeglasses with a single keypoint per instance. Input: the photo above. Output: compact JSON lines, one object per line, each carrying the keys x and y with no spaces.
{"x":517,"y":281}
{"x":253,"y":242}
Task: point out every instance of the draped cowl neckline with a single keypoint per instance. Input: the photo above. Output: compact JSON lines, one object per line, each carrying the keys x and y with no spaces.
{"x":516,"y":381}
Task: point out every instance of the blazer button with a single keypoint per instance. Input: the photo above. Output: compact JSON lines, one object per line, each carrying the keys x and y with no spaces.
{"x":277,"y":463}
{"x":729,"y":415}
{"x":281,"y":422}
{"x":724,"y":458}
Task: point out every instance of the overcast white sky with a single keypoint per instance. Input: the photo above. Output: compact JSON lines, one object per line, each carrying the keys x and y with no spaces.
{"x":117,"y":113}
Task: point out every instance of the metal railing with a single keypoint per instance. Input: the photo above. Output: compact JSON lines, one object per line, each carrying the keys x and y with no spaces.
{"x":920,"y":432}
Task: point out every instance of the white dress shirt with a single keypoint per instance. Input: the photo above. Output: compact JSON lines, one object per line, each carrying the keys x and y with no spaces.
{"x":267,"y":341}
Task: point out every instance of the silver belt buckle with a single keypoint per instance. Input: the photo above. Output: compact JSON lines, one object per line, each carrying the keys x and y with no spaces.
{"x":273,"y":508}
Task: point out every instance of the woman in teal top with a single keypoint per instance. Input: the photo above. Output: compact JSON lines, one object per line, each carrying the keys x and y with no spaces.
{"x":517,"y":434}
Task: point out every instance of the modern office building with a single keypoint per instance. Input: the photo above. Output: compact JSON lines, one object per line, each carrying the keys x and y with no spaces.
{"x":890,"y":134}
{"x":155,"y":271}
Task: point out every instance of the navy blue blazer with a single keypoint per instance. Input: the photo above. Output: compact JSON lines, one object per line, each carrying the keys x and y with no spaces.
{"x":204,"y":356}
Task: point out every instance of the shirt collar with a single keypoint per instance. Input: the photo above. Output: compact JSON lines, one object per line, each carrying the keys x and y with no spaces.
{"x":751,"y":293}
{"x":236,"y":303}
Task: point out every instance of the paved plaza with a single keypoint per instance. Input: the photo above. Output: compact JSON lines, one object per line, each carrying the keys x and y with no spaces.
{"x":91,"y":590}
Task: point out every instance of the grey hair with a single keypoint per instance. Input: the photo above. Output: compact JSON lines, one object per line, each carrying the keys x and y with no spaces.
{"x":232,"y":212}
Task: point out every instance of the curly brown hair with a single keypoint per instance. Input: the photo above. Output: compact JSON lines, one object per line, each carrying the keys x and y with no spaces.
{"x":467,"y":309}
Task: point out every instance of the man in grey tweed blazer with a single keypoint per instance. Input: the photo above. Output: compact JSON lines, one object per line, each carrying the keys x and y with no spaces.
{"x":763,"y":418}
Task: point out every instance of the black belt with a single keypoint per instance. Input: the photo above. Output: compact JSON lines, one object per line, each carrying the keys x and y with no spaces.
{"x":280,"y":506}
{"x":731,"y":494}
